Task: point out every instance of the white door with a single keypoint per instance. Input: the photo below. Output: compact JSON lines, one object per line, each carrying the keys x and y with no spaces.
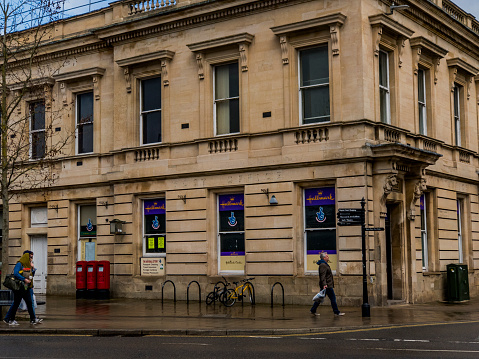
{"x":39,"y":249}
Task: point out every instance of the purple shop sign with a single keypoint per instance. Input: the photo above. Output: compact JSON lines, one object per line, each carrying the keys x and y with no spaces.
{"x":318,"y":252}
{"x":319,"y":196}
{"x":155,"y":206}
{"x":232,"y":254}
{"x":231,"y":202}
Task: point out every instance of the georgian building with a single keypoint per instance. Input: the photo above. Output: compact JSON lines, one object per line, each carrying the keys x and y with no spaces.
{"x":226,"y":135}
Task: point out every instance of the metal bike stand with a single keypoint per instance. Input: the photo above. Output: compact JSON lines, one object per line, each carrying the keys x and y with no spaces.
{"x":272,"y":289}
{"x":174,"y":290}
{"x":188,"y":292}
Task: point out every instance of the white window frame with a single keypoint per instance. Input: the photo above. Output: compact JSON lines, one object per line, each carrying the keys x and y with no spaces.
{"x":77,"y":146}
{"x":218,"y":241}
{"x":216,"y":101}
{"x":460,"y":206}
{"x":457,"y":114}
{"x":146,"y":254}
{"x":150,"y":111}
{"x":301,"y":88}
{"x":387,"y":89}
{"x":422,"y":104}
{"x":424,"y":234}
{"x":31,"y":132}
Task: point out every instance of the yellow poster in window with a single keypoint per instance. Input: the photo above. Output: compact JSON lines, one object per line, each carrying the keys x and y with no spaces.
{"x":151,"y":243}
{"x":161,"y":242}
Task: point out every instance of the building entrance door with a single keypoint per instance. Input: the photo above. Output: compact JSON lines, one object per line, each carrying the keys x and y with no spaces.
{"x":39,"y":249}
{"x":393,"y":252}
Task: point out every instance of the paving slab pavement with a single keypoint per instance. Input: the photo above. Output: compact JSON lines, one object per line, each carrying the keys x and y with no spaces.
{"x":132,"y":317}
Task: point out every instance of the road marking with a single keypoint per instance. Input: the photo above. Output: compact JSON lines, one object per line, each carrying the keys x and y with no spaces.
{"x":260,"y":337}
{"x":203,"y":344}
{"x":428,"y":350}
{"x":313,"y":338}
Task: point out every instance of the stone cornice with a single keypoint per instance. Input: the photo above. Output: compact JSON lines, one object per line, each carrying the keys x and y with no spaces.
{"x":462,"y":65}
{"x":390,"y":25}
{"x":428,"y":46}
{"x":320,"y":22}
{"x":140,"y":59}
{"x":76,"y":75}
{"x":222,"y":41}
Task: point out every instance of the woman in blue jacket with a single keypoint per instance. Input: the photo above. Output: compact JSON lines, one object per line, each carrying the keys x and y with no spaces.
{"x":23,"y":272}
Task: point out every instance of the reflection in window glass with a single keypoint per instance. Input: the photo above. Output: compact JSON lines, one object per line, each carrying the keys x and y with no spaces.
{"x":227,"y":99}
{"x":151,"y":110}
{"x":231,"y":232}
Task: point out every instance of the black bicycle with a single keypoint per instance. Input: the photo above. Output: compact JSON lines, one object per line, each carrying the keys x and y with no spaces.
{"x":219,"y":292}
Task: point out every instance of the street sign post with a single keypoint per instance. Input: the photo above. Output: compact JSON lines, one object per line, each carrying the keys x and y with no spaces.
{"x":356,"y":217}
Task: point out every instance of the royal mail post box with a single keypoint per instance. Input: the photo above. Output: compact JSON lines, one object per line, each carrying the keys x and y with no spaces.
{"x":103,"y":280}
{"x":91,"y":270}
{"x":80,"y":273}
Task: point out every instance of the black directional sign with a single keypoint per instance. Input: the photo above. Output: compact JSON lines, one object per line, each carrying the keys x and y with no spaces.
{"x":350,"y":217}
{"x":371,"y":229}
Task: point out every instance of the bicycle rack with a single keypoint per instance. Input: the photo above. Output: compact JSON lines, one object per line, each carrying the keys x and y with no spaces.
{"x":188,"y":292}
{"x":174,"y":290}
{"x":254,"y":296}
{"x":272,"y":289}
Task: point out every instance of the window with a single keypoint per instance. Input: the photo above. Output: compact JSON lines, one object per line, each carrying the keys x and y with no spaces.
{"x":457,"y":114}
{"x":314,"y":85}
{"x":226,"y":95}
{"x":424,"y":234}
{"x":87,"y":232}
{"x":421,"y":99}
{"x":319,"y":226}
{"x":384,"y":90}
{"x":231,"y":241}
{"x":84,"y":120}
{"x":460,"y":212}
{"x":154,"y":227}
{"x":37,"y":130}
{"x":150,"y":94}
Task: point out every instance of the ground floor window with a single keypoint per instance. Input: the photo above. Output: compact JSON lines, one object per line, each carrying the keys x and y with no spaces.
{"x":231,"y":233}
{"x":319,"y":226}
{"x":87,"y":232}
{"x":154,"y":227}
{"x":424,"y":234}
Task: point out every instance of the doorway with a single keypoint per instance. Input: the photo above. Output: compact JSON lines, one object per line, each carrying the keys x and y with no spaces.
{"x":39,"y":249}
{"x":394,"y":269}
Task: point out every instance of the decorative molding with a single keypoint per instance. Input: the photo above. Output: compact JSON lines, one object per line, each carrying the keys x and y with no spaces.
{"x":145,"y":58}
{"x":333,"y":22}
{"x":463,"y":66}
{"x":381,"y":24}
{"x":126,"y":73}
{"x":42,"y":81}
{"x":425,"y":47}
{"x":243,"y":38}
{"x":452,"y":77}
{"x":164,"y":71}
{"x":457,"y":65}
{"x":436,"y":69}
{"x":63,"y":91}
{"x":79,"y":74}
{"x":283,"y":42}
{"x":96,"y":87}
{"x":243,"y":50}
{"x":419,"y":189}
{"x":199,"y":63}
{"x":416,"y":56}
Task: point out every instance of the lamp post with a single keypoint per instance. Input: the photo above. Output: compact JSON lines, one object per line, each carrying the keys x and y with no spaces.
{"x":366,"y":310}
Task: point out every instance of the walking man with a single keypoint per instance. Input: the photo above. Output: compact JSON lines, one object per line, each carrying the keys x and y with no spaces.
{"x":326,"y":281}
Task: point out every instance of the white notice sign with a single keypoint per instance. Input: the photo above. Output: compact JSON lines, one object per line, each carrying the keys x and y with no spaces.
{"x":152,"y":266}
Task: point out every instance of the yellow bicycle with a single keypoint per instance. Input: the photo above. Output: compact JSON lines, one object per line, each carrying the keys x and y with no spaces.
{"x":246,"y":289}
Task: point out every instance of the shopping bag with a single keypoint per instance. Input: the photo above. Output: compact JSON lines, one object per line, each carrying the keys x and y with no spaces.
{"x":12,"y":283}
{"x":23,"y":305}
{"x":319,"y":297}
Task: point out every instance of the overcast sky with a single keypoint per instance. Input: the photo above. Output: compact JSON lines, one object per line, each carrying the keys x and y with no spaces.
{"x":470,"y":6}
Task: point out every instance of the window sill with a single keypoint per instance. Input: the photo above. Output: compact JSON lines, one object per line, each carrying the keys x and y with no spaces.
{"x":431,"y":273}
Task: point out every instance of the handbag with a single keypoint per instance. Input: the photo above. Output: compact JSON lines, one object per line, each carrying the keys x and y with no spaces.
{"x":319,"y":297}
{"x":12,"y":283}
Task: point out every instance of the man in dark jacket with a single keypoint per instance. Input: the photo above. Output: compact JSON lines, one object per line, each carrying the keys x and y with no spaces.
{"x":326,"y":281}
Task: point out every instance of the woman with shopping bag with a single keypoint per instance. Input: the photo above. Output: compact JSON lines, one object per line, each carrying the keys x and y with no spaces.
{"x":23,"y":272}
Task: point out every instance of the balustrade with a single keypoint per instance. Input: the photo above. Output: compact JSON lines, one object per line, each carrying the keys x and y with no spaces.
{"x":311,"y":135}
{"x":223,"y":145}
{"x":139,"y":6}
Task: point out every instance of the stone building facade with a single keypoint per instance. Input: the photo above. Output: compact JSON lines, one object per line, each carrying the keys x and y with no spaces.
{"x":191,"y":115}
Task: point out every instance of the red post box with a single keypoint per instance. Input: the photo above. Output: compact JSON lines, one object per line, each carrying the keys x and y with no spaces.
{"x":80,"y":273}
{"x":91,"y":270}
{"x":103,"y":280}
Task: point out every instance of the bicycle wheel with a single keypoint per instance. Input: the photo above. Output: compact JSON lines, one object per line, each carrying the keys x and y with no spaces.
{"x":227,"y":297}
{"x":248,"y":293}
{"x":210,"y":298}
